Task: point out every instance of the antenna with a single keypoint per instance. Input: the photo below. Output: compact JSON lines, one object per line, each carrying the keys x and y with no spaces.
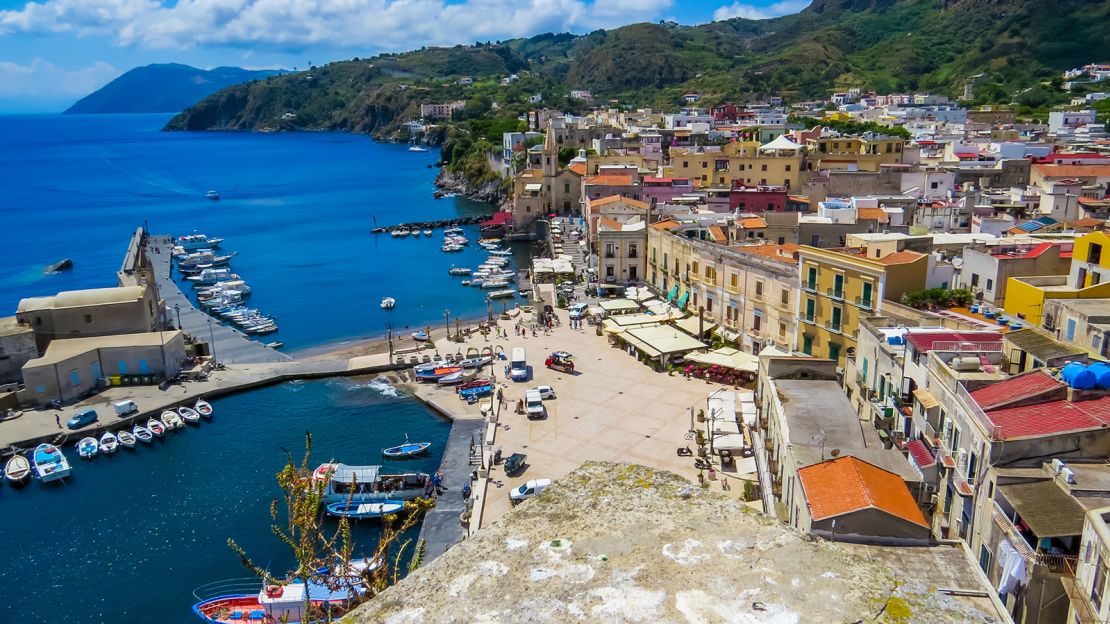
{"x":819,"y":438}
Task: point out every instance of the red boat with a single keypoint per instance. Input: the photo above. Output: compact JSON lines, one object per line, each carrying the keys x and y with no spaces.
{"x":477,"y":383}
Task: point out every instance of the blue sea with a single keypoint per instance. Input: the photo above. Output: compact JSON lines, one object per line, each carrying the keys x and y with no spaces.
{"x":128,"y":537}
{"x":297,"y":207}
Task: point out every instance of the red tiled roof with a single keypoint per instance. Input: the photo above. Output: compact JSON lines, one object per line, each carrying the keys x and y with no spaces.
{"x":752,"y":223}
{"x":921,"y":454}
{"x":1090,"y":222}
{"x":900,"y":257}
{"x":1015,"y":389}
{"x":579,"y":168}
{"x":717,"y":233}
{"x":1072,"y":171}
{"x":1050,"y":418}
{"x":611,"y":180}
{"x":499,"y":218}
{"x":785,"y":252}
{"x":664,"y":225}
{"x":874,"y":214}
{"x":848,"y":484}
{"x":925,"y":341}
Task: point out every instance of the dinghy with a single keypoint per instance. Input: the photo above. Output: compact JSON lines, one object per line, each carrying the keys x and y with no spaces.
{"x":421,"y":336}
{"x":50,"y":463}
{"x":189,"y":414}
{"x":203,"y":408}
{"x":452,"y":379}
{"x":408,"y":449}
{"x":171,"y":420}
{"x":363,"y":511}
{"x":142,"y":434}
{"x":156,"y":427}
{"x":388,"y":303}
{"x":108,"y":443}
{"x":87,"y":448}
{"x":126,"y":439}
{"x":18,"y":469}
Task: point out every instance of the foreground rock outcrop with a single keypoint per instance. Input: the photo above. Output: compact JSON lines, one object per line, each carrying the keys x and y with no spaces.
{"x":624,"y":543}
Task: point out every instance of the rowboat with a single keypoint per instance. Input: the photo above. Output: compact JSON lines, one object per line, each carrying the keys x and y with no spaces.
{"x":203,"y":408}
{"x":108,"y":442}
{"x":18,"y":469}
{"x":189,"y":414}
{"x":477,"y":362}
{"x":408,"y":449}
{"x":363,"y":511}
{"x":476,"y":391}
{"x":156,"y":427}
{"x":87,"y":448}
{"x":434,"y":374}
{"x":421,"y":336}
{"x":171,"y":420}
{"x":476,"y":383}
{"x":50,"y":463}
{"x":452,"y":379}
{"x":126,"y":438}
{"x":142,"y":434}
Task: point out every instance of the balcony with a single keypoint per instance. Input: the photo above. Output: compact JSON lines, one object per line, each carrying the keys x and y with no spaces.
{"x":809,"y":318}
{"x":632,"y":254}
{"x":835,"y":293}
{"x":810,"y":286}
{"x":1079,"y":595}
{"x":866,"y":304}
{"x":833,"y":327}
{"x":861,"y":380}
{"x":610,"y":254}
{"x":757,"y":296}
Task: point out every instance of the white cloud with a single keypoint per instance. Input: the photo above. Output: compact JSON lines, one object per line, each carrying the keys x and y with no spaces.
{"x":751,"y":11}
{"x":42,"y":79}
{"x":293,"y":24}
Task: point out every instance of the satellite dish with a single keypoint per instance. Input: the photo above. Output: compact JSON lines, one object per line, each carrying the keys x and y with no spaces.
{"x":834,"y":452}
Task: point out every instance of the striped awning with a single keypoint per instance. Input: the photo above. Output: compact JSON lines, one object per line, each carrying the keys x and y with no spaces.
{"x":683,"y":299}
{"x":673,"y":293}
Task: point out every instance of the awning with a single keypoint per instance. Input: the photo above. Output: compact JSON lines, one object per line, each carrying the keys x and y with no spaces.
{"x":1048,"y":510}
{"x":533,"y":187}
{"x":619,"y":306}
{"x":926,"y":400}
{"x":727,"y":334}
{"x":727,"y":358}
{"x":672,"y":293}
{"x":661,"y":340}
{"x":683,"y":299}
{"x":690,"y":325}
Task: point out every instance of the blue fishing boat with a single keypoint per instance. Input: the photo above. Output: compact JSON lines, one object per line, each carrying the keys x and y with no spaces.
{"x":50,"y":463}
{"x":365,"y":511}
{"x":421,"y":336}
{"x":476,"y":390}
{"x":408,"y":449}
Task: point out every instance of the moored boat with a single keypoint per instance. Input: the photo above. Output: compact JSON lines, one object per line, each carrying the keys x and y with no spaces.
{"x":408,"y":449}
{"x":108,"y":443}
{"x":388,"y":303}
{"x":277,"y":344}
{"x":477,"y":362}
{"x":142,"y":434}
{"x":18,"y":469}
{"x":157,"y":427}
{"x":204,"y":408}
{"x":433,"y":374}
{"x":451,"y":379}
{"x":458,"y":271}
{"x":126,"y":438}
{"x":171,"y":420}
{"x":366,"y":484}
{"x":498,"y":294}
{"x":194,"y":242}
{"x":365,"y":511}
{"x":189,"y":414}
{"x":421,"y":336}
{"x":50,"y":463}
{"x":87,"y":448}
{"x":274,"y":603}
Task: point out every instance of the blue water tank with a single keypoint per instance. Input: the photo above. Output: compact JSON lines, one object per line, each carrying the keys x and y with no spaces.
{"x":1077,"y":376}
{"x":975,"y":308}
{"x":1102,"y":373}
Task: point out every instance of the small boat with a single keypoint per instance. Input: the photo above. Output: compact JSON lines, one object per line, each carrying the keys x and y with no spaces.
{"x":452,"y":231}
{"x":437,"y":373}
{"x":498,"y":294}
{"x":194,"y":242}
{"x":476,"y":391}
{"x":126,"y":438}
{"x":277,"y":344}
{"x":421,"y":336}
{"x":485,"y":406}
{"x":108,"y":443}
{"x":458,"y":271}
{"x":408,"y":449}
{"x":477,"y":362}
{"x":500,"y":252}
{"x":50,"y":463}
{"x":189,"y":414}
{"x":213,"y":195}
{"x":368,"y":484}
{"x":427,"y":232}
{"x":388,"y":303}
{"x":18,"y":469}
{"x":142,"y":434}
{"x":171,"y":420}
{"x":417,"y":148}
{"x":204,"y":408}
{"x":87,"y":448}
{"x":364,"y":511}
{"x":451,"y":379}
{"x":156,"y":427}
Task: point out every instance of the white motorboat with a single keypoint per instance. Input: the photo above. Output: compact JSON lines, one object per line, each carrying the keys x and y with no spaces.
{"x":417,"y":148}
{"x":126,"y":438}
{"x":388,"y":303}
{"x":367,"y":484}
{"x":204,"y":408}
{"x":142,"y":434}
{"x":193,"y":242}
{"x":171,"y":420}
{"x":18,"y":469}
{"x":213,"y":195}
{"x":458,"y":271}
{"x":427,"y":232}
{"x":502,"y":253}
{"x":157,"y":427}
{"x":50,"y":463}
{"x":400,"y":232}
{"x":277,"y":344}
{"x":499,"y":294}
{"x":209,"y":277}
{"x":108,"y":443}
{"x":453,"y":230}
{"x":189,"y":414}
{"x":87,"y":448}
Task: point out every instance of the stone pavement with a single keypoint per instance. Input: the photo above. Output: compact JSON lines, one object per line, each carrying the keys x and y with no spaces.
{"x":442,"y":527}
{"x":231,"y":346}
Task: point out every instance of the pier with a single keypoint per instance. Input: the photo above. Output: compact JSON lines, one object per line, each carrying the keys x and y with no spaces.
{"x":433,"y":225}
{"x":443,"y":526}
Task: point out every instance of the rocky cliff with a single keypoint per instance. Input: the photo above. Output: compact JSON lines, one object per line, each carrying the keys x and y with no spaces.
{"x":624,"y":543}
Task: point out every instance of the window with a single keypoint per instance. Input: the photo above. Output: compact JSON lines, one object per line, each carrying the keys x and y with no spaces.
{"x":709,"y":304}
{"x":75,"y":378}
{"x":985,"y":559}
{"x":974,"y":280}
{"x":732,"y":281}
{"x":757,"y":322}
{"x":632,"y":273}
{"x":785,"y":297}
{"x":1098,"y":583}
{"x":834,"y":351}
{"x":610,"y":271}
{"x":865,"y":298}
{"x":686,"y":163}
{"x":763,"y":168}
{"x":934,"y":185}
{"x":631,"y":250}
{"x":704,"y":164}
{"x":807,"y":344}
{"x":788,"y":167}
{"x":759,"y":289}
{"x":990,"y":284}
{"x":838,"y":285}
{"x":972,"y":465}
{"x":810,"y":306}
{"x":812,"y":278}
{"x":782,"y":330}
{"x":1094,"y":253}
{"x":610,"y":250}
{"x":782,"y":240}
{"x":566,"y":187}
{"x":837,"y":313}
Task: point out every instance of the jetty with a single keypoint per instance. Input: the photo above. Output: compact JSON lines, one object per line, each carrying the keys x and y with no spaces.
{"x":433,"y":225}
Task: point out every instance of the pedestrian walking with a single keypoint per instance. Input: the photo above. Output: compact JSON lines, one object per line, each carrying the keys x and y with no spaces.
{"x":58,"y":420}
{"x":437,"y":483}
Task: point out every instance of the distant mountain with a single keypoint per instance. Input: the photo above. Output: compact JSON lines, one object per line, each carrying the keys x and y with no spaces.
{"x":1006,"y":46}
{"x":162,"y":88}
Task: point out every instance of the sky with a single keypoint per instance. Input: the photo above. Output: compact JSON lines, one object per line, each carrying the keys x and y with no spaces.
{"x":53,"y":52}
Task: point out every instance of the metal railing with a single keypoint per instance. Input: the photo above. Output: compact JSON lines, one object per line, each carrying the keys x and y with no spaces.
{"x":864,"y":303}
{"x":834,"y":293}
{"x":1004,"y":524}
{"x":809,"y":318}
{"x":833,"y":327}
{"x":1080,"y":596}
{"x":811,"y":286}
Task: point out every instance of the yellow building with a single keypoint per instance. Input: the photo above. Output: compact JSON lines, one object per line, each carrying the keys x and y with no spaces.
{"x":853,"y":153}
{"x":1089,"y":278}
{"x":839,"y":286}
{"x":746,"y":162}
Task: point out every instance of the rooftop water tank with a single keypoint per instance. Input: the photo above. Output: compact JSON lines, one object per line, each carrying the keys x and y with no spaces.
{"x":1102,"y":373}
{"x":1077,"y":376}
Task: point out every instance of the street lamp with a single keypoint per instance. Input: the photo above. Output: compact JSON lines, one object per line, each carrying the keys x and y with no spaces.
{"x":177,"y":309}
{"x":447,"y":320}
{"x":212,"y":339}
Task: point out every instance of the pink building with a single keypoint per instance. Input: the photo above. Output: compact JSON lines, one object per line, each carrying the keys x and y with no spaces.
{"x":757,"y":198}
{"x":661,"y":190}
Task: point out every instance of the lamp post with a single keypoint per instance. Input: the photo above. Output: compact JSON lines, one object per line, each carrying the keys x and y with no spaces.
{"x":212,"y":339}
{"x":177,"y":309}
{"x":447,"y":321}
{"x":389,"y":337}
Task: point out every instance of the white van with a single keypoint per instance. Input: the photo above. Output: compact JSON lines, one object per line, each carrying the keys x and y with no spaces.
{"x":122,"y":408}
{"x":518,"y":365}
{"x":578,"y":311}
{"x":533,"y":404}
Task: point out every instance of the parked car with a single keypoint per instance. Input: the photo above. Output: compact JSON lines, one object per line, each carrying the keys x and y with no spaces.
{"x":86,"y":416}
{"x":533,"y":404}
{"x":515,"y":463}
{"x":124,"y":408}
{"x":528,"y":490}
{"x":578,"y":311}
{"x":546,"y":392}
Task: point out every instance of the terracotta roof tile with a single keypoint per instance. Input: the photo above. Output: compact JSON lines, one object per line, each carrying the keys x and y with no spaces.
{"x":846,"y":484}
{"x":752,"y":223}
{"x":1053,"y":417}
{"x":609,"y":223}
{"x":611,"y":180}
{"x":1015,"y":388}
{"x":1072,"y":171}
{"x":579,"y":168}
{"x":664,"y":225}
{"x":922,"y":456}
{"x":873,"y":214}
{"x":718,"y":234}
{"x":783,"y":253}
{"x":1090,"y":222}
{"x":900,"y":257}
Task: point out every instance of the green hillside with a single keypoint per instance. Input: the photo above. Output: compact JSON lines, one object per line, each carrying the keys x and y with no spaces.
{"x":885,"y":45}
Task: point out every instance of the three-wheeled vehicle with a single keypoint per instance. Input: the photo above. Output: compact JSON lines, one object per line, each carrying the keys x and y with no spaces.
{"x":560,"y":361}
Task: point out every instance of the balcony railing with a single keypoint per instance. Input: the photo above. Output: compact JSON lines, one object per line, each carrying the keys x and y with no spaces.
{"x":835,"y":293}
{"x":833,"y":327}
{"x":610,"y":254}
{"x":864,"y":303}
{"x":809,"y":318}
{"x":1010,"y":531}
{"x":632,"y":254}
{"x":1079,"y":595}
{"x":811,"y":286}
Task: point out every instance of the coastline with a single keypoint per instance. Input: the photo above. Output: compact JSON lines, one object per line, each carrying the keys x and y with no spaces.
{"x":402,"y":342}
